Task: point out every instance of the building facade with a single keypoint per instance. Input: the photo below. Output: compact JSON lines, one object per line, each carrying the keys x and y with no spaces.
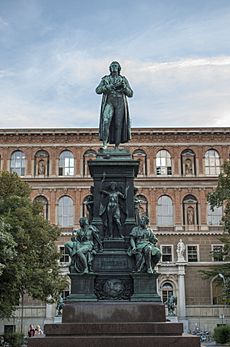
{"x":178,"y":168}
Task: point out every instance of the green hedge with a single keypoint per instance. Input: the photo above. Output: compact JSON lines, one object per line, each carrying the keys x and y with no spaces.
{"x":222,"y":334}
{"x":14,"y":339}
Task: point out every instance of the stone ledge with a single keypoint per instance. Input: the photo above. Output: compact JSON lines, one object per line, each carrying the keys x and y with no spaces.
{"x":114,"y":328}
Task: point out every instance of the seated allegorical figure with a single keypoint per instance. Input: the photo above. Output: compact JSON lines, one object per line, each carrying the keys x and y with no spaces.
{"x":143,"y":247}
{"x":84,"y":244}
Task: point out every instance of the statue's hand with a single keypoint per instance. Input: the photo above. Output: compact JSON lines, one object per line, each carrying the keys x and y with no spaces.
{"x":110,"y":87}
{"x":120,"y":86}
{"x":134,"y":251}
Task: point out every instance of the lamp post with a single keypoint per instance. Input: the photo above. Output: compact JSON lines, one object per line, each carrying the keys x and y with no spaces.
{"x":224,"y":283}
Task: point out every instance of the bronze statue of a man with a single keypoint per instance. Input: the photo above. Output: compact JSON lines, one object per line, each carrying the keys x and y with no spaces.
{"x":114,"y":125}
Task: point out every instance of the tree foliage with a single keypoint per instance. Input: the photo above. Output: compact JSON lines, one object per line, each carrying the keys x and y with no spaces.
{"x":221,"y":197}
{"x":28,"y":255}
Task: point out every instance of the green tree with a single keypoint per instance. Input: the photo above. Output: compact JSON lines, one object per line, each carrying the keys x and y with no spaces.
{"x":221,"y":197}
{"x":28,"y":254}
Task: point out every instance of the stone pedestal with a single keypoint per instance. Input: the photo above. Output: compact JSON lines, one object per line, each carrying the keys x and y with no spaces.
{"x":114,"y":306}
{"x":144,"y":287}
{"x":114,"y":324}
{"x":82,"y":287}
{"x":119,"y":167}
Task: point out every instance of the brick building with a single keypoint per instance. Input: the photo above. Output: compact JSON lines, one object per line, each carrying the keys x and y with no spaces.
{"x":178,"y":168}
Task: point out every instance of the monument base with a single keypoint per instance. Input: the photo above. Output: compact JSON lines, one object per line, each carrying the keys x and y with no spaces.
{"x":114,"y":324}
{"x":115,"y":341}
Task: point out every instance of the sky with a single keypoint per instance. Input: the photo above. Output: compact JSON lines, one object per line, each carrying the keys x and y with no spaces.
{"x":175,"y":54}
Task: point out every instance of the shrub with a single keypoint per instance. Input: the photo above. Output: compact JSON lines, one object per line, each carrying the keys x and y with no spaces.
{"x":222,"y":334}
{"x":14,"y":339}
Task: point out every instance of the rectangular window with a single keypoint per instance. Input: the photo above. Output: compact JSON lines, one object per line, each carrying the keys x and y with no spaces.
{"x":164,"y":170}
{"x":169,"y":171}
{"x":215,"y":216}
{"x":65,"y":258}
{"x":217,"y":253}
{"x":192,"y":253}
{"x":167,"y":253}
{"x":166,"y":294}
{"x":9,"y":329}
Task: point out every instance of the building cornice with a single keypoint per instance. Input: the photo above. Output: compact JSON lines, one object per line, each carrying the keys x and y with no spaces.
{"x":135,"y":131}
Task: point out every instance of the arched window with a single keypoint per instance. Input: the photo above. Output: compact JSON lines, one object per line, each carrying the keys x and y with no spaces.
{"x":165,"y":211}
{"x":141,"y":156}
{"x":41,"y":163}
{"x":166,"y":291}
{"x":164,"y":163}
{"x":212,"y":163}
{"x":65,"y":211}
{"x":17,"y":163}
{"x":215,"y":216}
{"x":190,"y":210}
{"x":188,"y":163}
{"x":66,"y":164}
{"x":217,"y":291}
{"x":44,"y":202}
{"x":88,"y":155}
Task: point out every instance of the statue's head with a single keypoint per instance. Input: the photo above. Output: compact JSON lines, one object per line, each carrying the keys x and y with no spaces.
{"x":144,"y":220}
{"x":83,"y":221}
{"x":115,"y":67}
{"x":113,"y":186}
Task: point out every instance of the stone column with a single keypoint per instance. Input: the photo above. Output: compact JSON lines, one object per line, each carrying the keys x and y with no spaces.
{"x":181,"y":305}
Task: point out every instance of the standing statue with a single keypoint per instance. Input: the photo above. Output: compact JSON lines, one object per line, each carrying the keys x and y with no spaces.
{"x":41,"y":167}
{"x":112,"y":210}
{"x":143,"y":246}
{"x":180,"y":250}
{"x":60,"y":304}
{"x":137,"y":203}
{"x":190,"y":215}
{"x":114,"y":125}
{"x":84,"y":244}
{"x":171,"y":304}
{"x":188,"y":167}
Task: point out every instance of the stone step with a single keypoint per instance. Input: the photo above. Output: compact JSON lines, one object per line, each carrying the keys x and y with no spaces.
{"x":115,"y":341}
{"x":114,"y":328}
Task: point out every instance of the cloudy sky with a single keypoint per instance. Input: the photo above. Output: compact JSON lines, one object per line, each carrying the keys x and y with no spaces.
{"x":175,"y":54}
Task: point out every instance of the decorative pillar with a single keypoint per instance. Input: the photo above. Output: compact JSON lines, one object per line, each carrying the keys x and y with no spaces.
{"x":181,"y":305}
{"x":49,"y":314}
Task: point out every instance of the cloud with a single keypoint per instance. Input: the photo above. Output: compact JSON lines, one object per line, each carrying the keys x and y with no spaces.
{"x":189,"y":92}
{"x":50,"y":79}
{"x":3,"y":23}
{"x":23,"y":114}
